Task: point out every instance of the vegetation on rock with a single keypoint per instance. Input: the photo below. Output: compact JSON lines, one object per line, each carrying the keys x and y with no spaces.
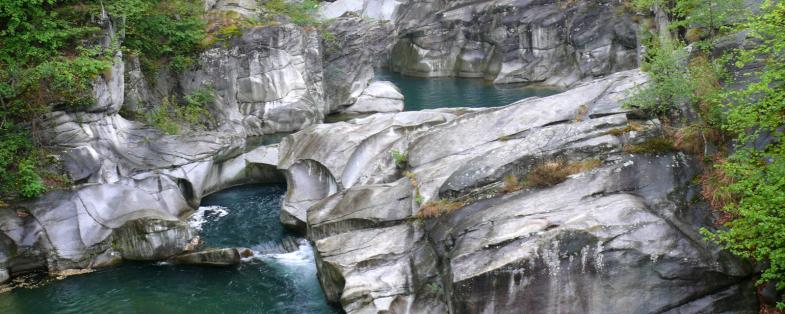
{"x":747,"y":183}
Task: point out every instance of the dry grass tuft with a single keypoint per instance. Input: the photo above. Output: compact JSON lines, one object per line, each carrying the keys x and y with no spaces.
{"x":714,"y":186}
{"x":550,"y":173}
{"x":433,"y":209}
{"x":510,"y":184}
{"x":580,"y":114}
{"x":689,"y":139}
{"x":631,"y":126}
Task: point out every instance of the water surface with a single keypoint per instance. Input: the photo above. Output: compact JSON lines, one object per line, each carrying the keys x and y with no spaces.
{"x":269,"y":282}
{"x":432,"y":93}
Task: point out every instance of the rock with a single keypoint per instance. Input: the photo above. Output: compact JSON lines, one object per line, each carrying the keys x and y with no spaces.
{"x":504,"y":41}
{"x":267,"y":81}
{"x":211,"y":257}
{"x":379,"y":96}
{"x":81,"y":162}
{"x":152,"y":240}
{"x":290,"y":244}
{"x":245,"y":252}
{"x":4,"y":275}
{"x":621,"y":231}
{"x":355,"y":46}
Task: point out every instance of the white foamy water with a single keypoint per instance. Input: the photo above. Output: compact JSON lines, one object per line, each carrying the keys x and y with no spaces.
{"x":205,"y":214}
{"x":302,"y":258}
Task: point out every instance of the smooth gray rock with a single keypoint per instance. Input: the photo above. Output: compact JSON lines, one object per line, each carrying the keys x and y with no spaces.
{"x":210,"y":257}
{"x":354,"y":47}
{"x":504,"y":41}
{"x":623,"y":231}
{"x":379,"y":96}
{"x":267,"y":81}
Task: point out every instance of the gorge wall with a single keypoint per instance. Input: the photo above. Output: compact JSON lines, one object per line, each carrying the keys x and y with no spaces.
{"x":556,"y":42}
{"x":620,"y":237}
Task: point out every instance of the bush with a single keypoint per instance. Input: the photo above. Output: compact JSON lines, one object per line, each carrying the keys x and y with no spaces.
{"x":401,"y":159}
{"x":756,"y":171}
{"x":18,"y":164}
{"x":170,"y":116}
{"x":670,"y":83}
{"x":300,"y":13}
{"x":29,"y":182}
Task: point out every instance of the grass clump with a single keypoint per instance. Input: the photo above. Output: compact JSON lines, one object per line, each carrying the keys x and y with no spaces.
{"x":437,"y":208}
{"x":546,"y":174}
{"x":552,"y":172}
{"x":511,"y":183}
{"x":630,"y":127}
{"x":651,"y":146}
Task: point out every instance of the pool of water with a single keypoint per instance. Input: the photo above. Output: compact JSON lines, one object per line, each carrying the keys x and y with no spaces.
{"x":269,"y":282}
{"x":432,"y":93}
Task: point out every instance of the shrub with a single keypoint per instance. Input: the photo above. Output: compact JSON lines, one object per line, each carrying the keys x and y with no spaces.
{"x":401,"y":159}
{"x":757,"y":172}
{"x":300,"y":13}
{"x":29,"y":182}
{"x":170,"y":115}
{"x":670,"y":83}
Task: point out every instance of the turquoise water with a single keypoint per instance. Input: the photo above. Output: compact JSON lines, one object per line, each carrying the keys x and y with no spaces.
{"x":432,"y":93}
{"x":269,"y":282}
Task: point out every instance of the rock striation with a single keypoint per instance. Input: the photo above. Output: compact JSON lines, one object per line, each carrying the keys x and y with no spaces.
{"x":620,"y":237}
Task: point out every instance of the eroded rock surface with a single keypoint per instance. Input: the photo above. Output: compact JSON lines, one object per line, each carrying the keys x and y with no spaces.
{"x":558,"y":42}
{"x":620,"y":237}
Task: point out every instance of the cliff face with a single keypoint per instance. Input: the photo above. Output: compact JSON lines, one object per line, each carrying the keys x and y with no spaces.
{"x":556,"y":42}
{"x":619,"y":236}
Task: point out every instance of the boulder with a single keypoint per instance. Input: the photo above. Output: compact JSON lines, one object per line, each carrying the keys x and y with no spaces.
{"x":379,"y":96}
{"x":211,"y":257}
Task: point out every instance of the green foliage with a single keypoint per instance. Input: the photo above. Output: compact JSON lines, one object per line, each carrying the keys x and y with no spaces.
{"x":710,"y":14}
{"x":18,"y":174}
{"x":50,"y":55}
{"x":300,"y":13}
{"x":161,"y":30}
{"x":401,"y":159}
{"x":28,"y":181}
{"x":670,"y":83}
{"x":170,"y":116}
{"x":758,"y":228}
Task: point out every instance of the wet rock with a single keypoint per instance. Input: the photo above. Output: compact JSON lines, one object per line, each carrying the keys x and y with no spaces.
{"x":245,"y":252}
{"x":290,"y":244}
{"x":150,"y":240}
{"x":211,"y":257}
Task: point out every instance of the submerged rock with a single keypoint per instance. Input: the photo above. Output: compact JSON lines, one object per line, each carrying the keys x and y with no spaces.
{"x":211,"y":257}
